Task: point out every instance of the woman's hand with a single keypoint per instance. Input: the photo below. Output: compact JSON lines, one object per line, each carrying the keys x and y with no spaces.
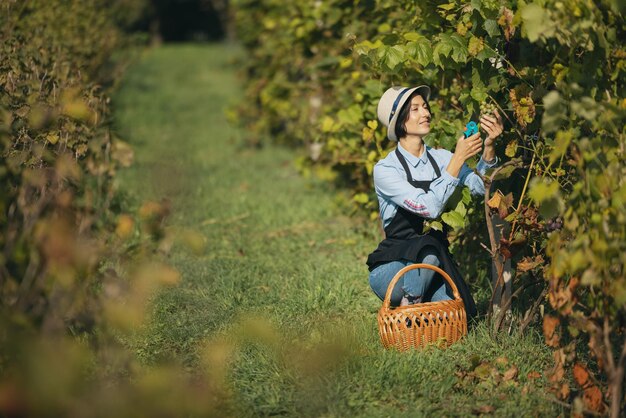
{"x":465,"y":149}
{"x":493,"y":126}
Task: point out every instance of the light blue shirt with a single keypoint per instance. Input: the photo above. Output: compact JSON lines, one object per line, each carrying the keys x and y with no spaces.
{"x":393,"y":189}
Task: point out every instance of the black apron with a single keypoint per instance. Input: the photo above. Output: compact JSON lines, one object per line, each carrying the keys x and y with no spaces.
{"x":404,"y":239}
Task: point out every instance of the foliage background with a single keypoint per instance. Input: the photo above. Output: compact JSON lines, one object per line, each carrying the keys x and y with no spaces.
{"x":314,"y":73}
{"x":77,"y":272}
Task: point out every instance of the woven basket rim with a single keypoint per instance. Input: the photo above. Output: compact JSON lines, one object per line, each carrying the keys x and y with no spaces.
{"x":422,"y":305}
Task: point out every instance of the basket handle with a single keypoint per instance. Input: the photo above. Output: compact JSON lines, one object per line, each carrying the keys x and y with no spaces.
{"x":387,"y":300}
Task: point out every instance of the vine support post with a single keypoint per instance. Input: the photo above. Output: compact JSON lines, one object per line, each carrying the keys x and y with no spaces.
{"x":502,"y":284}
{"x":501,"y":276}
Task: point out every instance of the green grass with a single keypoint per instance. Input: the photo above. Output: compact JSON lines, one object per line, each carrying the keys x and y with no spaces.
{"x":282,"y":280}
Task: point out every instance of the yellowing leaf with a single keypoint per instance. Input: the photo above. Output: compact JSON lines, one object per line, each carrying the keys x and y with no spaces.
{"x":475,"y":45}
{"x":345,"y":63}
{"x":362,"y":198}
{"x":461,"y":29}
{"x":494,"y":202}
{"x":511,"y":149}
{"x":537,"y":22}
{"x":328,"y":125}
{"x":52,"y":138}
{"x":125,"y":224}
{"x":483,"y":370}
{"x":412,"y":36}
{"x":561,"y":143}
{"x":384,"y":28}
{"x":448,"y":6}
{"x":436,"y":225}
{"x":542,"y":190}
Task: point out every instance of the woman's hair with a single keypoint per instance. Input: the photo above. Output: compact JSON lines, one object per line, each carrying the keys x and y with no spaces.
{"x":404,"y":115}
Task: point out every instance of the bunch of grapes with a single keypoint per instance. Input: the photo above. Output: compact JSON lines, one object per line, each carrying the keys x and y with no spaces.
{"x":487,"y":108}
{"x":554,"y":224}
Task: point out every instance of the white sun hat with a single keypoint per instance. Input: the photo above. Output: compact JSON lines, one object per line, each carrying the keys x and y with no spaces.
{"x":392,"y":101}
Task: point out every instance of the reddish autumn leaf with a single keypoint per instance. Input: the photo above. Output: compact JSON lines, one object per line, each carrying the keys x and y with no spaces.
{"x":502,"y":361}
{"x":533,"y":375}
{"x":529,"y":263}
{"x":504,"y":250}
{"x":563,"y":391}
{"x":549,"y":330}
{"x":510,"y":248}
{"x":580,"y":375}
{"x":592,"y":398}
{"x":558,"y":371}
{"x":562,"y":297}
{"x":511,"y":374}
{"x":505,"y":203}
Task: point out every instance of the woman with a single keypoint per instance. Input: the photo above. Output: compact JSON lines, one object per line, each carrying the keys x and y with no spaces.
{"x":414,"y":183}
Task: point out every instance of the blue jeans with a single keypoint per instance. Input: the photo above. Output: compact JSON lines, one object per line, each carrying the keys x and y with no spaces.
{"x":412,"y":284}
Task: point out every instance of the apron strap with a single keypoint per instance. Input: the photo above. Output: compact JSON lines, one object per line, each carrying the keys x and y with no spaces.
{"x":419,"y":184}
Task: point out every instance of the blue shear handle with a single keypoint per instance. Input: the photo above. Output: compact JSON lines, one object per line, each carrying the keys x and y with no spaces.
{"x":470,"y":129}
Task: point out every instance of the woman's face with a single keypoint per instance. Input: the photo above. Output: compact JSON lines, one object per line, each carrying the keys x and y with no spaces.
{"x":418,"y":122}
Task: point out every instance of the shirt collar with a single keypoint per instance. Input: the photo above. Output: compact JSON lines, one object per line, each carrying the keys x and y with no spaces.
{"x":412,"y":159}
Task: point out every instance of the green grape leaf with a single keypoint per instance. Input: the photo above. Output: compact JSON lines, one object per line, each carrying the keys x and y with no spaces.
{"x":441,"y":49}
{"x":537,"y":22}
{"x":460,"y":52}
{"x":542,"y":190}
{"x":492,"y":28}
{"x":421,"y":51}
{"x":361,"y":198}
{"x":351,"y":115}
{"x":554,"y":112}
{"x":454,"y":219}
{"x":505,"y":173}
{"x":448,"y":6}
{"x":412,"y":36}
{"x":561,"y":143}
{"x":467,"y":196}
{"x":391,"y":56}
{"x":428,"y":225}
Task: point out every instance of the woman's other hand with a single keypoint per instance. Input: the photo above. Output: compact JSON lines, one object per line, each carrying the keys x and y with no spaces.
{"x":493,"y":126}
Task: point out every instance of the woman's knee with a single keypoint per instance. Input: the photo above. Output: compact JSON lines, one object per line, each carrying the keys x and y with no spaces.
{"x":381,"y":276}
{"x":428,"y":255}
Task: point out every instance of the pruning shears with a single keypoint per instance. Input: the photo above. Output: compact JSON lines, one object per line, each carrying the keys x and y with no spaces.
{"x":470,"y":129}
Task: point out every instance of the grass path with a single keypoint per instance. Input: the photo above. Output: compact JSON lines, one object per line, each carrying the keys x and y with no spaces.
{"x":282,"y":278}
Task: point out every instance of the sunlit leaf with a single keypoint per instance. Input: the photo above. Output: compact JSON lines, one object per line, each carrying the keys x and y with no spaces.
{"x":537,"y":22}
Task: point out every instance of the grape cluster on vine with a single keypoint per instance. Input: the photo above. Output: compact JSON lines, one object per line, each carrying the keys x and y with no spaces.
{"x":487,"y":109}
{"x":554,"y":224}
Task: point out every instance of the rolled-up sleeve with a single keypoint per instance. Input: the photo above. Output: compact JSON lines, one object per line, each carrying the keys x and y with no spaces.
{"x":472,"y":180}
{"x":391,"y":183}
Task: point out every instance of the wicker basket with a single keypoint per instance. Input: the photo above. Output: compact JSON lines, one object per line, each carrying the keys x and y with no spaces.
{"x":441,"y":323}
